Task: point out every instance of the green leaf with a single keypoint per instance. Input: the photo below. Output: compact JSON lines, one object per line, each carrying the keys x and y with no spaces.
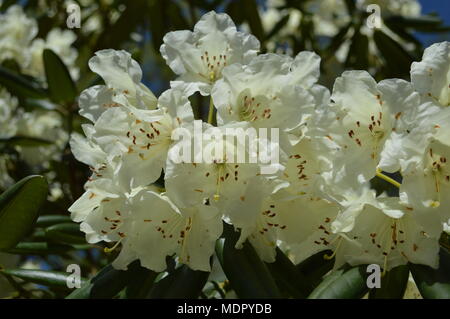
{"x":107,"y":283}
{"x":250,"y":8}
{"x":140,"y":283}
{"x":422,"y":23}
{"x":278,"y":26}
{"x":19,"y":208}
{"x":60,"y":85}
{"x":66,"y":232}
{"x":39,"y":104}
{"x":182,"y":283}
{"x":38,"y":248}
{"x":315,"y":267}
{"x":358,"y":54}
{"x":19,"y":85}
{"x":337,"y":41}
{"x":393,"y":284}
{"x":288,"y":277}
{"x":25,"y":141}
{"x":42,"y":277}
{"x":248,"y":275}
{"x":397,"y":60}
{"x":345,"y":283}
{"x":433,"y":283}
{"x":49,"y":220}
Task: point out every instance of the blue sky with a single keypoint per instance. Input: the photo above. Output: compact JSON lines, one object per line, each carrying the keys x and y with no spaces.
{"x":442,"y":7}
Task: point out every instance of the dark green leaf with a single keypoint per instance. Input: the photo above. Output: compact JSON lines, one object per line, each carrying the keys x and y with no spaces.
{"x":42,"y":277}
{"x":38,"y":248}
{"x":60,"y":85}
{"x":25,"y":141}
{"x":358,"y":54}
{"x":49,"y":220}
{"x":248,"y":275}
{"x":433,"y":283}
{"x":19,"y":85}
{"x":288,"y":277}
{"x":66,"y":232}
{"x":316,"y":266}
{"x":397,"y":60}
{"x":140,"y":283}
{"x":182,"y":283}
{"x":19,"y":208}
{"x":393,"y":284}
{"x":278,"y":26}
{"x":422,"y":23}
{"x":39,"y":104}
{"x":345,"y":283}
{"x":107,"y":283}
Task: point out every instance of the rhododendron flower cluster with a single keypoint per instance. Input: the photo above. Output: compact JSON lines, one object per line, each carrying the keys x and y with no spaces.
{"x":331,"y":146}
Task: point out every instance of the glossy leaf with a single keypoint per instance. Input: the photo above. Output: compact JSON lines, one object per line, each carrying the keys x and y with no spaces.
{"x":288,"y":277}
{"x":60,"y":85}
{"x":345,"y":283}
{"x":42,"y":277}
{"x":49,"y":220}
{"x":107,"y":283}
{"x":25,"y":141}
{"x":433,"y":283}
{"x":248,"y":275}
{"x":393,"y":284}
{"x":19,"y":85}
{"x":19,"y":208}
{"x":38,"y":248}
{"x":182,"y":283}
{"x":66,"y":232}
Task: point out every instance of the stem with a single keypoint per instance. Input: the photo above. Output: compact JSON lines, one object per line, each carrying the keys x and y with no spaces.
{"x":388,"y":179}
{"x":211,"y":111}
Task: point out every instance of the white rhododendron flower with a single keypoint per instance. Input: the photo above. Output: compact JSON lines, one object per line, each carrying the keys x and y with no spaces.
{"x":47,"y":125}
{"x":16,"y":34}
{"x":190,"y":233}
{"x":431,"y":76}
{"x":426,"y":185}
{"x":389,"y":235}
{"x":272,"y":91}
{"x":199,"y":57}
{"x":8,"y":114}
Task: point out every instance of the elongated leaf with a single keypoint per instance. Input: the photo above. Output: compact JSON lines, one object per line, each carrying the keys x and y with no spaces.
{"x":60,"y":84}
{"x":140,"y":283}
{"x":39,"y":104}
{"x":248,"y":275}
{"x":288,"y":277}
{"x":358,"y":54}
{"x":182,"y":283}
{"x":342,"y":284}
{"x":252,"y":15}
{"x":278,"y":26}
{"x":66,"y":232}
{"x":38,"y":248}
{"x":107,"y":283}
{"x":49,"y":220}
{"x":42,"y":277}
{"x":433,"y":283}
{"x":19,"y":85}
{"x":315,"y":267}
{"x":393,"y":284}
{"x":396,"y":58}
{"x":25,"y":141}
{"x":19,"y":208}
{"x":422,"y":23}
